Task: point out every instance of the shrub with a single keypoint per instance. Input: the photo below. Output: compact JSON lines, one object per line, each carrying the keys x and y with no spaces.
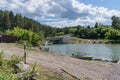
{"x":112,"y":34}
{"x":26,"y":35}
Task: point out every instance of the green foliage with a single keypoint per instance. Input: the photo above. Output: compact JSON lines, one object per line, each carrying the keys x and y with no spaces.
{"x":6,"y":69}
{"x":116,"y":22}
{"x":101,"y":32}
{"x":60,"y":34}
{"x":28,"y":28}
{"x":113,"y":34}
{"x":9,"y":76}
{"x":1,"y":32}
{"x":26,"y":35}
{"x":1,"y":58}
{"x":72,"y":30}
{"x":96,"y":25}
{"x":14,"y":60}
{"x":8,"y":21}
{"x":93,"y":33}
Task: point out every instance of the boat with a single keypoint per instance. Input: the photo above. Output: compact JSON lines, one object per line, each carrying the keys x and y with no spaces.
{"x":115,"y":61}
{"x":82,"y":56}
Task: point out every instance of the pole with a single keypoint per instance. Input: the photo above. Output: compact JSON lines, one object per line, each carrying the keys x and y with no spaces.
{"x":25,"y":52}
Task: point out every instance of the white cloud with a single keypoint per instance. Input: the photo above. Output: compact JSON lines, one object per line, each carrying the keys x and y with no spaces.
{"x":60,"y":12}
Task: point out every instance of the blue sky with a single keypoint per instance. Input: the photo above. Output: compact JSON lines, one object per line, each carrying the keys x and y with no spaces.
{"x":110,"y":4}
{"x":61,"y":13}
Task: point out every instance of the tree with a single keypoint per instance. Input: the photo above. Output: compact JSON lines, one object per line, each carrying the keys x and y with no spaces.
{"x":27,"y":35}
{"x":112,"y":34}
{"x":17,"y":20}
{"x":88,"y":26}
{"x":116,"y":22}
{"x":60,"y":34}
{"x":7,"y":21}
{"x":72,"y":30}
{"x":93,"y":33}
{"x":11,"y":16}
{"x":96,"y":25}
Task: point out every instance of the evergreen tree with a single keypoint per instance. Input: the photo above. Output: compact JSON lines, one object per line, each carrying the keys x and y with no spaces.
{"x":96,"y":25}
{"x":116,"y":22}
{"x":11,"y":16}
{"x":7,"y":22}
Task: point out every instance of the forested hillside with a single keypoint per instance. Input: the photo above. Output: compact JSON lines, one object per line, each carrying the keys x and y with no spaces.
{"x":9,"y":20}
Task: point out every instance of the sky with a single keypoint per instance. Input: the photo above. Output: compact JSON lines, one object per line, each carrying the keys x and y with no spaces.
{"x":62,"y":13}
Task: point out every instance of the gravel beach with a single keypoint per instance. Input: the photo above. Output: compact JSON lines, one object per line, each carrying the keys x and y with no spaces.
{"x":81,"y":69}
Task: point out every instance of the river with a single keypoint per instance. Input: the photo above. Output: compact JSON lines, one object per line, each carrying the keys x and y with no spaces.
{"x":98,"y":51}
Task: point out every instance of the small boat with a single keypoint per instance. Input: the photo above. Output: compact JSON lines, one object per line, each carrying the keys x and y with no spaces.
{"x":82,"y":56}
{"x":98,"y":59}
{"x":115,"y":61}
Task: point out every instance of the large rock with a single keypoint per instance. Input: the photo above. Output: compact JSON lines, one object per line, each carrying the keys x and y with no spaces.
{"x":26,"y":69}
{"x":22,"y":66}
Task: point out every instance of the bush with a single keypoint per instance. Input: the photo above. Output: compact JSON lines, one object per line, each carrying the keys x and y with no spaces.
{"x":60,"y":34}
{"x":26,"y":35}
{"x":112,"y":34}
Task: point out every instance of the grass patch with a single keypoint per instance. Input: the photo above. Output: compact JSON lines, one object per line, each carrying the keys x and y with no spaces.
{"x":7,"y":69}
{"x":42,"y":74}
{"x":112,"y":41}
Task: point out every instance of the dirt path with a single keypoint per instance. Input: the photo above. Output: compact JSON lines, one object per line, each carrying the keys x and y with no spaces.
{"x":90,"y":70}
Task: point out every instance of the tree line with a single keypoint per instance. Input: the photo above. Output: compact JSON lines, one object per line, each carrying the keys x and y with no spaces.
{"x":99,"y":31}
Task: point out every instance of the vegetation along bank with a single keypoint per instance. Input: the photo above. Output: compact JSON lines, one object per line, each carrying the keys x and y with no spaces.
{"x":31,"y":31}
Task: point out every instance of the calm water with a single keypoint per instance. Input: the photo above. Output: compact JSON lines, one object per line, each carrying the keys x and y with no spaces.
{"x":99,"y":51}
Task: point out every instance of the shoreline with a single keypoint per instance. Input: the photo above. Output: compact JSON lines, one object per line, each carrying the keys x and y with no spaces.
{"x":82,"y":69}
{"x":76,"y":40}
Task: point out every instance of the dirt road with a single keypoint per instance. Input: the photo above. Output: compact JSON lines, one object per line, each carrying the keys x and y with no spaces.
{"x":90,"y":70}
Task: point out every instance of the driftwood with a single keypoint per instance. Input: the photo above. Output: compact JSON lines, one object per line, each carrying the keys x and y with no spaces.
{"x":70,"y":74}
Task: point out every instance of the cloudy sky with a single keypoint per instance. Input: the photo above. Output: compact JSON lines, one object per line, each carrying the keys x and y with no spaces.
{"x":60,"y":13}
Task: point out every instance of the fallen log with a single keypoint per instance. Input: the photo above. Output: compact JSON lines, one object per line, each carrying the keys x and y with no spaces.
{"x":70,"y":74}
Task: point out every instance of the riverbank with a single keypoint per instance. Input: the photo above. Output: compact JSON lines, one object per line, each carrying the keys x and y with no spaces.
{"x":75,"y":40}
{"x":59,"y":64}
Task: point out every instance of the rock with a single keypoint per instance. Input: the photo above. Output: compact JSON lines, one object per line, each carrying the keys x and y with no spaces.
{"x":118,"y":62}
{"x":26,"y":71}
{"x":22,"y":66}
{"x":33,"y":78}
{"x":26,"y":76}
{"x":20,"y":75}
